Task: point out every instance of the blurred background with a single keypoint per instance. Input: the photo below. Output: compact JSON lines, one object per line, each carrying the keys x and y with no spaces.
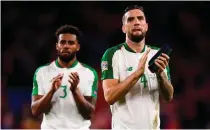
{"x":28,"y":41}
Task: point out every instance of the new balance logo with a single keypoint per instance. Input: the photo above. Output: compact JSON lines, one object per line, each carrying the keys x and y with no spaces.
{"x":129,"y":69}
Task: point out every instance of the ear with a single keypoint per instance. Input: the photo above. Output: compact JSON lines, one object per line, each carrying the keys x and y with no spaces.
{"x":124,"y":29}
{"x":56,"y":46}
{"x":146,"y":27}
{"x":78,"y":47}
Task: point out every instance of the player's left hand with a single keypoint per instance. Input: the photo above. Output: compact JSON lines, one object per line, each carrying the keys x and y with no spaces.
{"x":74,"y":80}
{"x":162,"y":61}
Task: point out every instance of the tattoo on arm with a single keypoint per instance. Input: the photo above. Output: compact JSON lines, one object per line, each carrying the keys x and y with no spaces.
{"x":166,"y":88}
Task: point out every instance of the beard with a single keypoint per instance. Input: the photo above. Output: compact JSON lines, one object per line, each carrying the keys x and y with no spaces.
{"x":66,"y":58}
{"x":136,"y":38}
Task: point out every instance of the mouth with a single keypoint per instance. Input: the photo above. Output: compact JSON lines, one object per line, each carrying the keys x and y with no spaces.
{"x":136,"y":29}
{"x":65,"y":52}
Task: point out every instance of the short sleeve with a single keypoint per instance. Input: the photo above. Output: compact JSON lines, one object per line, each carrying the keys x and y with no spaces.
{"x":109,"y":65}
{"x":38,"y":83}
{"x":92,"y":87}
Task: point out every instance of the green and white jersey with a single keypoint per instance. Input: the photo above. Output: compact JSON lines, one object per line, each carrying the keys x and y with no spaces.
{"x":139,"y":109}
{"x":64,"y":113}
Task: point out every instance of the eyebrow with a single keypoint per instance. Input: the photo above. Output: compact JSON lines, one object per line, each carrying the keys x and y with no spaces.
{"x":68,"y":40}
{"x":130,"y":18}
{"x":139,"y":17}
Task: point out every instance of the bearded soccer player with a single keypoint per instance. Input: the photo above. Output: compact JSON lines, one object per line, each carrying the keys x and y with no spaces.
{"x":130,"y":88}
{"x":64,"y":91}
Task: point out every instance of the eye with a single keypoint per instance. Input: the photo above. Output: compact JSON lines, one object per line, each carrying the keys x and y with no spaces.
{"x":71,"y":42}
{"x":62,"y":42}
{"x":140,"y":18}
{"x":130,"y":19}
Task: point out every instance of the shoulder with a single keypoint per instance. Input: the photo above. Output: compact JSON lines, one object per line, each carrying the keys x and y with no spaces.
{"x":112,"y":50}
{"x":90,"y":69}
{"x":42,"y":68}
{"x":154,"y":47}
{"x":109,"y":53}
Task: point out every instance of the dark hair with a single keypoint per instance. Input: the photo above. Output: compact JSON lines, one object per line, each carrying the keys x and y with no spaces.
{"x":131,"y":7}
{"x":69,"y":29}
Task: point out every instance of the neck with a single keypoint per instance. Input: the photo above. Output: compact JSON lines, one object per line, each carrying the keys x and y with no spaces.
{"x":137,"y":47}
{"x":66,"y":65}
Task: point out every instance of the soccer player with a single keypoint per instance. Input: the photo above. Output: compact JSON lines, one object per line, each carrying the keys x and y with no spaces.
{"x":130,"y":88}
{"x":64,"y":91}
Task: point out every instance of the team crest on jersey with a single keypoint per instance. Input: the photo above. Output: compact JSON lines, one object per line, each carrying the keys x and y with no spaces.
{"x":104,"y":65}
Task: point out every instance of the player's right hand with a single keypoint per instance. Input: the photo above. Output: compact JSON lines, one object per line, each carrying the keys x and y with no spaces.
{"x":56,"y":82}
{"x":142,"y":62}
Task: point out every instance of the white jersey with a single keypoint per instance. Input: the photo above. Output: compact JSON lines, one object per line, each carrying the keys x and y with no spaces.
{"x":64,"y":113}
{"x":139,"y":109}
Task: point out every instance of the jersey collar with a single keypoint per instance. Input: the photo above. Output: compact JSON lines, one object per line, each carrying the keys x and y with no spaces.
{"x":131,"y":50}
{"x":73,"y":65}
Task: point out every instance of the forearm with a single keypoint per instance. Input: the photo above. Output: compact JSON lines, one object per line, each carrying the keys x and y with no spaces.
{"x":166,"y":87}
{"x":116,"y":91}
{"x":43,"y":104}
{"x":85,"y":108}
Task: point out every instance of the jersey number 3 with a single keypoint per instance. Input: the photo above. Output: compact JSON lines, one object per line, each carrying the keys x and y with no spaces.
{"x":64,"y":90}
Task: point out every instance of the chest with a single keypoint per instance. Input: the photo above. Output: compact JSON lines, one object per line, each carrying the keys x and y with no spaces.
{"x":128,"y":63}
{"x":64,"y":90}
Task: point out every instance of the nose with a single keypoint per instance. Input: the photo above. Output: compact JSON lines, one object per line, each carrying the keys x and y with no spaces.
{"x":136,"y":22}
{"x":66,"y":45}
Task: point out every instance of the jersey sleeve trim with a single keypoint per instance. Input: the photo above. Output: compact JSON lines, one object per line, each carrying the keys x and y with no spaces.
{"x":95,"y":81}
{"x":153,"y":47}
{"x":95,"y":84}
{"x":168,"y":73}
{"x":35,"y":90}
{"x":35,"y":84}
